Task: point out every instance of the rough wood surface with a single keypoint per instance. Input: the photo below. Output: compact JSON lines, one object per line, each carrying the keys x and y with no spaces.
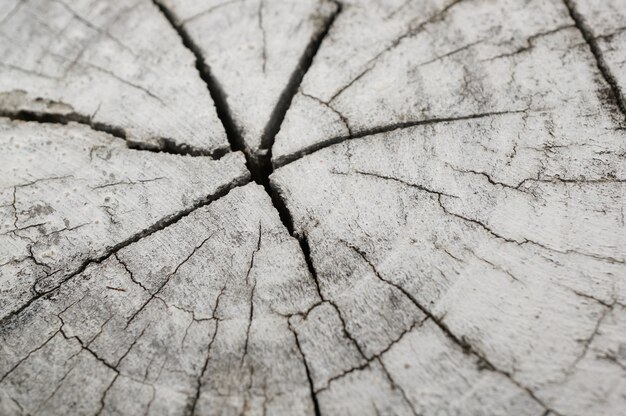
{"x":517,"y":253}
{"x":192,"y":317}
{"x":70,"y":195}
{"x":255,"y":51}
{"x":118,"y":66}
{"x":602,"y":24}
{"x":459,"y":59}
{"x":437,"y":225}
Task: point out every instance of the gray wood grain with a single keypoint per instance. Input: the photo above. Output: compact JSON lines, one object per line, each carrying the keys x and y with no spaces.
{"x":437,"y":228}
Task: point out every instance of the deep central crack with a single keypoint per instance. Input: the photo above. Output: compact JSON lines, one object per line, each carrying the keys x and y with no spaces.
{"x":259,"y":162}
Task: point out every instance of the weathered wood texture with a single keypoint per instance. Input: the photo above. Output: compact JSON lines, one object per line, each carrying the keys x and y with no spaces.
{"x":192,"y":317}
{"x":71,"y":195}
{"x":443,"y":232}
{"x":604,"y":28}
{"x":255,"y":51}
{"x":517,"y":252}
{"x":455,"y":60}
{"x":118,"y":66}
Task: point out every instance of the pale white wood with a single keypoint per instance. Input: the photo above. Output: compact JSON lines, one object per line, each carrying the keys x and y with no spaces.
{"x":443,"y":233}
{"x":118,"y":65}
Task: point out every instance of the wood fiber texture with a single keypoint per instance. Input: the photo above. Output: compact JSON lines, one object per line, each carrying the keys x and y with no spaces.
{"x":266,"y":207}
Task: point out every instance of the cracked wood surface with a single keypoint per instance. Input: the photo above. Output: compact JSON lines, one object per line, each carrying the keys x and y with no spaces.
{"x":162,"y":328}
{"x":70,"y":195}
{"x":604,"y":26}
{"x":516,"y":253}
{"x":118,"y":66}
{"x":443,"y":233}
{"x":255,"y":51}
{"x":451,"y":60}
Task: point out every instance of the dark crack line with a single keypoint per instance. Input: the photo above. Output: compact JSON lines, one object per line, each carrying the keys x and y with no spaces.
{"x":56,"y":118}
{"x":158,"y":226}
{"x":208,"y":11}
{"x":192,"y":407}
{"x":132,"y":345}
{"x":262,"y":166}
{"x":451,"y":53}
{"x":105,"y":393}
{"x":165,"y":145}
{"x":278,"y":200}
{"x":233,"y":132}
{"x":86,"y":348}
{"x":495,"y":266}
{"x":130,"y":273}
{"x":487,"y":177}
{"x":167,"y":280}
{"x":316,"y":406}
{"x":196,"y":397}
{"x":252,"y":293}
{"x":287,"y":159}
{"x":128,"y":182}
{"x":461,"y":342}
{"x":399,"y":181}
{"x":605,"y":70}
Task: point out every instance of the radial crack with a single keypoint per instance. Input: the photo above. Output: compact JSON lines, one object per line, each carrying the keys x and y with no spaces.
{"x":287,"y":159}
{"x":591,"y":40}
{"x":159,"y":225}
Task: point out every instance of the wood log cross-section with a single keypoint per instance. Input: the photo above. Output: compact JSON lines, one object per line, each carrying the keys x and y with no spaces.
{"x":313,"y":207}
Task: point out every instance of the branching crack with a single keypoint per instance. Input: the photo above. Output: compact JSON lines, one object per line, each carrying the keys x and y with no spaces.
{"x":167,"y":279}
{"x":5,"y":375}
{"x":316,"y":406}
{"x":159,"y":225}
{"x":130,"y":273}
{"x":328,"y":105}
{"x":378,"y":356}
{"x":464,"y":344}
{"x":369,"y":65}
{"x":530,"y":43}
{"x":128,"y":183}
{"x":191,"y":409}
{"x":603,"y":66}
{"x":522,"y":241}
{"x":286,"y":159}
{"x":259,"y":162}
{"x":399,"y":181}
{"x":587,"y":341}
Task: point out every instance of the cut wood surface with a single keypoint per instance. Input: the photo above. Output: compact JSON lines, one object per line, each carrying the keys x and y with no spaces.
{"x":117,"y":66}
{"x":251,"y":207}
{"x":255,"y":52}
